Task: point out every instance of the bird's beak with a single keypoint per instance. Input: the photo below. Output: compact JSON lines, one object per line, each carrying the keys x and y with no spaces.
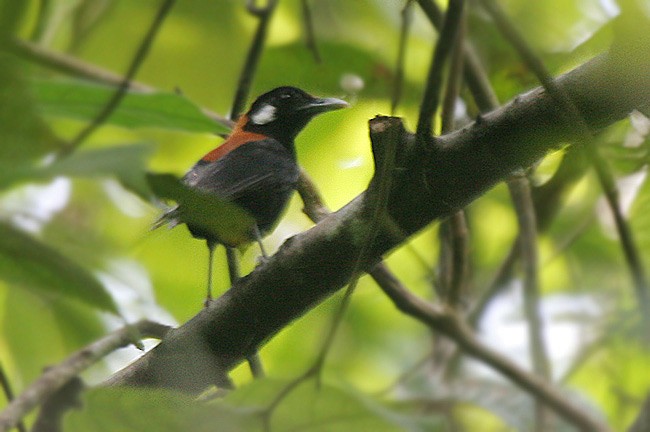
{"x":321,"y":105}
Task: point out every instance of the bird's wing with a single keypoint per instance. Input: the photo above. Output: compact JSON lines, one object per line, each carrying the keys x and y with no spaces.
{"x":253,"y":168}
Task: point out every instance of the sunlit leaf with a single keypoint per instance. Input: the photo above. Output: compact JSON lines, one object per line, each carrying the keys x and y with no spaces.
{"x":26,"y":262}
{"x":228,"y":222}
{"x":83,"y":101}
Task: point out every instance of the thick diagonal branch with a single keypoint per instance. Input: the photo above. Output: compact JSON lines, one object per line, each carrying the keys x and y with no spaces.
{"x":313,"y":265}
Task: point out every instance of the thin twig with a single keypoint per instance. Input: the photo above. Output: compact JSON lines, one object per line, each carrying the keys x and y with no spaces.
{"x":475,"y":76}
{"x":310,"y":34}
{"x":454,"y":81}
{"x":454,"y":232}
{"x":313,"y":204}
{"x":233,"y":265}
{"x":9,"y":394}
{"x":56,"y":376}
{"x":254,"y":362}
{"x":254,"y":53}
{"x":121,"y":91}
{"x":499,"y":281}
{"x":519,"y":187}
{"x":69,"y":65}
{"x":454,"y":258}
{"x":443,"y":47}
{"x":407,"y":18}
{"x":584,"y":136}
{"x":406,"y":375}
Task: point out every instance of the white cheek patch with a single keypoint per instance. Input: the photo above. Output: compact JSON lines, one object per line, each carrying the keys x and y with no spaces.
{"x":264,"y":115}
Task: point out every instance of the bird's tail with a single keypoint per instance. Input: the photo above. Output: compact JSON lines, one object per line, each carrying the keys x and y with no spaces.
{"x":169,"y":218}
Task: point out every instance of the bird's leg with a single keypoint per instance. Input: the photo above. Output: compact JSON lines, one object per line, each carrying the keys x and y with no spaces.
{"x":254,"y":362}
{"x":255,"y":365}
{"x":258,"y":238}
{"x":212,"y":245}
{"x":233,"y":264}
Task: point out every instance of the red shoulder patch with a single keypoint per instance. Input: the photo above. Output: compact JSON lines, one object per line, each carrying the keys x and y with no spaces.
{"x":237,"y":138}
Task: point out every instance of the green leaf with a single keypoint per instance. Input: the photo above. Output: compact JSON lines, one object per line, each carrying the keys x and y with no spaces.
{"x":307,"y":408}
{"x":38,"y":331}
{"x":12,"y":15}
{"x":324,"y":408}
{"x":125,"y":162}
{"x":25,"y":136}
{"x":81,"y":100}
{"x":228,"y":222}
{"x":144,"y":410}
{"x":26,"y":262}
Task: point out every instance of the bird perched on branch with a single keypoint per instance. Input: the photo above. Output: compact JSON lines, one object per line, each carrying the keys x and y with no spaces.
{"x":255,"y":167}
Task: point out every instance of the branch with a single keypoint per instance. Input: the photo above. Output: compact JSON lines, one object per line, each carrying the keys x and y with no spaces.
{"x":254,"y":53}
{"x":9,"y":394}
{"x":313,"y":265}
{"x":314,"y":205}
{"x":52,"y":410}
{"x":442,"y":49}
{"x":407,"y":18}
{"x":56,"y":377}
{"x":310,"y":34}
{"x":475,"y":77}
{"x":453,"y":232}
{"x":520,"y":191}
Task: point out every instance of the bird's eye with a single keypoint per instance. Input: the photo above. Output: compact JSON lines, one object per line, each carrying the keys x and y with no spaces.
{"x":286,"y":96}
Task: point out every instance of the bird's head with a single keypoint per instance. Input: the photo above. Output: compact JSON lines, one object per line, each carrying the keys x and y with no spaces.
{"x":283,"y":112}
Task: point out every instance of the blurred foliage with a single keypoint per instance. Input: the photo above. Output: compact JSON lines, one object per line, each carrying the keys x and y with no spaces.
{"x":74,"y":242}
{"x":308,"y":408}
{"x":79,"y":100}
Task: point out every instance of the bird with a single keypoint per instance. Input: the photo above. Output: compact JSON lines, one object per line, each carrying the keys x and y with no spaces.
{"x":256,"y":166}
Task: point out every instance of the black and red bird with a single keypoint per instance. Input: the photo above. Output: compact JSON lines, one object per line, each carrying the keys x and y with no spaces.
{"x":256,"y":166}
